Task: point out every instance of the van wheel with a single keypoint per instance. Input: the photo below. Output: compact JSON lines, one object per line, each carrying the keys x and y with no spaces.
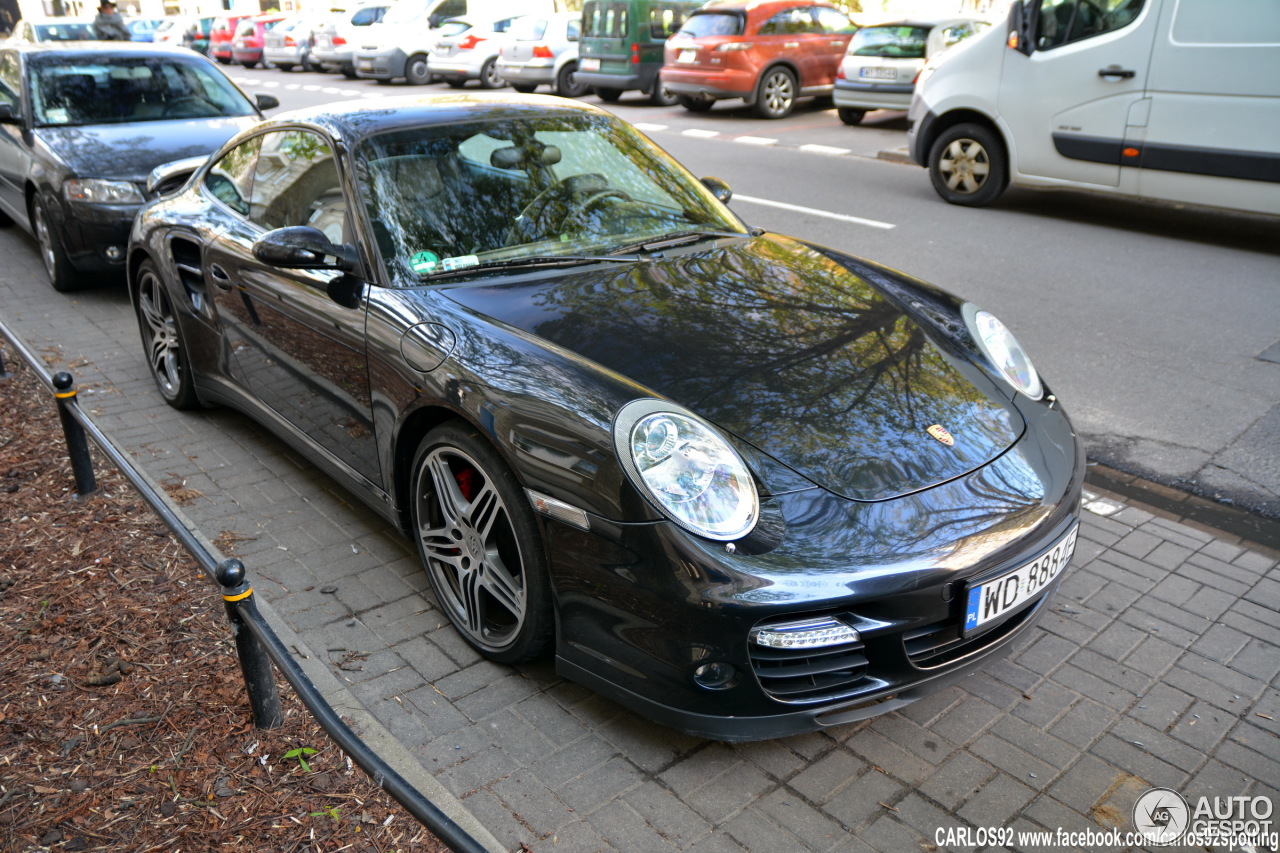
{"x":608,"y":95}
{"x":968,"y":166}
{"x":776,"y":94}
{"x":850,"y":115}
{"x":416,"y":72}
{"x":695,"y":103}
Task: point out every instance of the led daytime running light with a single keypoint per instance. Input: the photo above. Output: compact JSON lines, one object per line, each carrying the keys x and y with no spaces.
{"x":810,"y":634}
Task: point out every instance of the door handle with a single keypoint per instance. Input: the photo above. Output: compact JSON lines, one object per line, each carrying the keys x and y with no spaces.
{"x":791,"y":45}
{"x":1116,"y":71}
{"x":221,"y":280}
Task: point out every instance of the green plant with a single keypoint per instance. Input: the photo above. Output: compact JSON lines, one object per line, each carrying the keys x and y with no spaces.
{"x":332,"y":812}
{"x":300,"y":754}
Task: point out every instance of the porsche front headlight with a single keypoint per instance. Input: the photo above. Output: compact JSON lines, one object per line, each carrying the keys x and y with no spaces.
{"x":1003,"y":351}
{"x":686,"y":469}
{"x":100,"y":191}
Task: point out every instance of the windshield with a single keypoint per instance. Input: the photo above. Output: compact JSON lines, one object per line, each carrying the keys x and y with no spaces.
{"x":453,"y":196}
{"x":712,"y":24}
{"x":407,"y":12}
{"x":74,"y":90}
{"x":896,"y":42}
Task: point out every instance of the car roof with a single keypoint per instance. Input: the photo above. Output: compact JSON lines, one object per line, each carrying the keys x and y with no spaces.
{"x":105,"y":48}
{"x":926,"y":22}
{"x":349,"y":121}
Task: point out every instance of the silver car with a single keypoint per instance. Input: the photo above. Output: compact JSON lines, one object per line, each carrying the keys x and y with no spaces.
{"x":881,"y":64}
{"x":287,"y":45}
{"x":467,"y":49}
{"x":335,"y":41}
{"x":543,"y":51}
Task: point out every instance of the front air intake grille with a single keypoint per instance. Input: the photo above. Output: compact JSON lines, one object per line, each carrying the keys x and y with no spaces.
{"x":812,"y":674}
{"x":941,"y":643}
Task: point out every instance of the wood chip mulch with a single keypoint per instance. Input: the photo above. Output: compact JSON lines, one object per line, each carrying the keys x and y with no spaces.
{"x":124,"y":724}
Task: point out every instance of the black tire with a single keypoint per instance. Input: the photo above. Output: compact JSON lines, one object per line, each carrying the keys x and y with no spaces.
{"x":660,"y":96}
{"x":567,"y":85}
{"x":348,"y":71}
{"x":775,"y":94}
{"x":695,"y":103}
{"x":162,"y":340}
{"x":850,"y":115}
{"x":285,"y":66}
{"x":249,"y":63}
{"x":416,"y":71}
{"x":62,"y":275}
{"x":479,"y":543}
{"x":524,"y":88}
{"x":455,"y":82}
{"x":609,"y":96}
{"x":968,"y":165}
{"x":382,"y":81}
{"x":222,"y":61}
{"x":5,"y":220}
{"x":489,"y":76}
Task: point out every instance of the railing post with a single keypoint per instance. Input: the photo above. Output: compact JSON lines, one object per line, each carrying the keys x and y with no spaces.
{"x":77,"y":445}
{"x":255,"y":663}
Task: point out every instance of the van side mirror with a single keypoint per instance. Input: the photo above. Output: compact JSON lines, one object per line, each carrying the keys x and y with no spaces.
{"x":1022,"y":26}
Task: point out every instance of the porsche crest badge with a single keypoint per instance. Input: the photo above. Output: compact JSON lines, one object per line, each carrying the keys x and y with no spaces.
{"x":939,"y":432}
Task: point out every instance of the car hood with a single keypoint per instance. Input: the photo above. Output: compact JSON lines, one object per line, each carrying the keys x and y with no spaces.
{"x":130,"y":151}
{"x":785,"y":347}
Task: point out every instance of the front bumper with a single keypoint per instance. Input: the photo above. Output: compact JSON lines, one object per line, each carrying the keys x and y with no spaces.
{"x":659,"y":606}
{"x":96,"y":236}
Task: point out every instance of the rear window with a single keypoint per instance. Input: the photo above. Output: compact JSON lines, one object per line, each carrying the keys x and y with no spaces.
{"x":890,"y":42}
{"x":605,"y":20}
{"x":529,"y":28}
{"x":701,"y":25}
{"x":65,"y":32}
{"x":453,"y":28}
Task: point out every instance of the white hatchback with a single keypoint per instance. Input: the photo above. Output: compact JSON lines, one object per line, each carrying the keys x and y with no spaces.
{"x":543,"y":51}
{"x":882,"y":62}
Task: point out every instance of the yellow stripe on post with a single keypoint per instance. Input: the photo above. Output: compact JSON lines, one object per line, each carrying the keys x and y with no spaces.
{"x":240,"y":597}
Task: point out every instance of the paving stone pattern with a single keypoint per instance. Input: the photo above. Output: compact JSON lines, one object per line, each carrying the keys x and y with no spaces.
{"x":1157,"y":665}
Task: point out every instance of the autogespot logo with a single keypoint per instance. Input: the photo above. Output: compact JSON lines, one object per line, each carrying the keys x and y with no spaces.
{"x":1161,"y":815}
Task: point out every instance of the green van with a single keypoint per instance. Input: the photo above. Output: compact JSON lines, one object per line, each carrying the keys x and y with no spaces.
{"x":621,"y":46}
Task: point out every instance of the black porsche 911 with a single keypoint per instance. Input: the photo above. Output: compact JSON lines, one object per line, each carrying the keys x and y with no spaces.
{"x":745,"y":485}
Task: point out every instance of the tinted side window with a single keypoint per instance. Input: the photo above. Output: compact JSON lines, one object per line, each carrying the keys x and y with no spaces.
{"x":1065,"y":21}
{"x":831,"y":21}
{"x":231,"y":178}
{"x":367,"y":16}
{"x":295,"y":182}
{"x":10,"y":81}
{"x":788,"y":22}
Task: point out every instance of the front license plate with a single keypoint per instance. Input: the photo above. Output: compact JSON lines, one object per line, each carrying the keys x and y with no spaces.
{"x":999,"y":597}
{"x":589,"y":65}
{"x":879,"y":73}
{"x":687,"y":56}
{"x":364,"y":64}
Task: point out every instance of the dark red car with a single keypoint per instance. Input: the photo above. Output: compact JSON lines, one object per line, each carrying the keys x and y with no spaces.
{"x":246,"y":47}
{"x":221,"y":36}
{"x":768,"y":54}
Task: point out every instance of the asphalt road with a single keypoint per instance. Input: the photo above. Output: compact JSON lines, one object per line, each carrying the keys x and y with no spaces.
{"x":1157,"y":326}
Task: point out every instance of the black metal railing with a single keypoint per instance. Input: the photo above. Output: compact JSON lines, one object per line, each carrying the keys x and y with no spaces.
{"x":257,"y":644}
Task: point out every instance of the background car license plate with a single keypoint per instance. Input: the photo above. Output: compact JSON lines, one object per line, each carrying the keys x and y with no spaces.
{"x":589,"y":65}
{"x":999,"y":597}
{"x":687,"y":56}
{"x":880,"y":73}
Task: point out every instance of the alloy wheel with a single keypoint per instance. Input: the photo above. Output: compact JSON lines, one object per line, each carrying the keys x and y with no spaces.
{"x":964,"y":166}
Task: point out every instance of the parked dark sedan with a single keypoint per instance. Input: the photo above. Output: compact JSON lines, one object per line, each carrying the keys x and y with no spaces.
{"x":743,"y":484}
{"x":81,"y":126}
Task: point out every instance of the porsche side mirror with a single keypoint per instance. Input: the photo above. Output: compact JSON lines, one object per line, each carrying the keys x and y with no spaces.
{"x":265,"y":101}
{"x":302,"y":247}
{"x":719,"y":189}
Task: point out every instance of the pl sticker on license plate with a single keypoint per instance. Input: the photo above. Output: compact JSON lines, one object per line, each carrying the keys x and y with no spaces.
{"x":1001,"y":596}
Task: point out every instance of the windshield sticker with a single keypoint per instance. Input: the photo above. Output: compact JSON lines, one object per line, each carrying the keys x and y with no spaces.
{"x":424,"y":262}
{"x":460,"y":262}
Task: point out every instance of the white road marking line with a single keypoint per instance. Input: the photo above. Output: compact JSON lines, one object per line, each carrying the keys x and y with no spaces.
{"x":701,"y":134}
{"x":829,"y":150}
{"x":782,"y":205}
{"x":755,"y":140}
{"x":331,"y":90}
{"x":312,"y":88}
{"x":649,"y":128}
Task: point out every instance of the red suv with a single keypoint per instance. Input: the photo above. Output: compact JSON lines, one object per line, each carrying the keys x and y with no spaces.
{"x":767,"y":53}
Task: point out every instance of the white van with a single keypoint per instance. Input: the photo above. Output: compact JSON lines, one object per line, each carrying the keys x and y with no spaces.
{"x":400,"y":44}
{"x":1165,"y":99}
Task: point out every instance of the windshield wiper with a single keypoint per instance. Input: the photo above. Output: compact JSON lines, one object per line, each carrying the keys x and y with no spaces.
{"x":679,"y":238}
{"x":538,"y":261}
